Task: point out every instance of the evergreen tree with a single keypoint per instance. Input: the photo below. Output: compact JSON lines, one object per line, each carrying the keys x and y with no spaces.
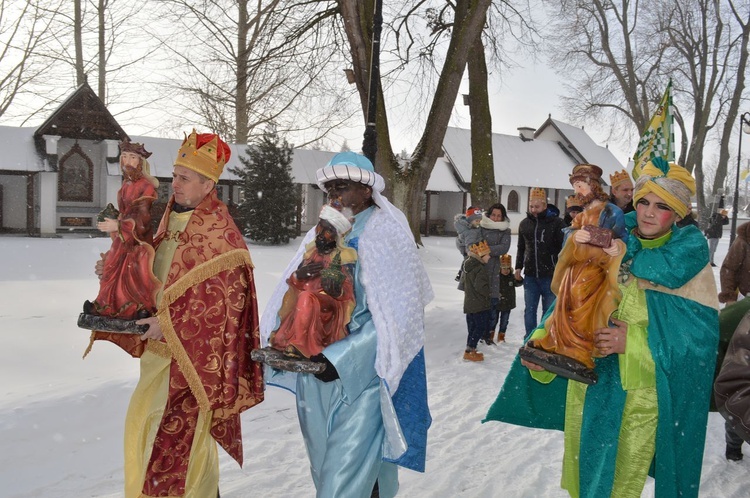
{"x":268,"y":212}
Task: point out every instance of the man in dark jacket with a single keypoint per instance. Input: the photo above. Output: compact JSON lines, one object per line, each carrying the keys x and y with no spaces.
{"x":714,"y":231}
{"x":540,"y":239}
{"x":621,"y":191}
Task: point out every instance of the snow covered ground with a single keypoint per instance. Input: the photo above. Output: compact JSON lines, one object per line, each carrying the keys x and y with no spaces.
{"x":61,"y":417}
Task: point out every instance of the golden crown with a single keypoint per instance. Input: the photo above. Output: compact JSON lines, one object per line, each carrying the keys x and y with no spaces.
{"x":480,"y":249}
{"x":538,"y":194}
{"x":572,"y":200}
{"x":506,"y":261}
{"x":208,"y":160}
{"x":618,"y":177}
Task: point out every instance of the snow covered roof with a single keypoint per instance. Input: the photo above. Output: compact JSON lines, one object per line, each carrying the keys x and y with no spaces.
{"x":580,"y":141}
{"x":22,"y":156}
{"x":545,"y":161}
{"x":443,"y":178}
{"x":517,"y":162}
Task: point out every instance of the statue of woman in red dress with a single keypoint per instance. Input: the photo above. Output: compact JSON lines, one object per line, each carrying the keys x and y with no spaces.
{"x":128,"y":286}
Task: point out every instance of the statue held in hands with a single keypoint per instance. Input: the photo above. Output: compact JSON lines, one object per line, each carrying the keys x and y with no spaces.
{"x":128,"y":286}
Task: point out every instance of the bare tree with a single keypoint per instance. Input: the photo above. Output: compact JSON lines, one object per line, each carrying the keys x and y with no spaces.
{"x":736,"y":96}
{"x":24,"y":30}
{"x":614,"y":59}
{"x":99,"y":37}
{"x":707,"y":57}
{"x":623,"y":52}
{"x":243,"y":65}
{"x":408,"y":179}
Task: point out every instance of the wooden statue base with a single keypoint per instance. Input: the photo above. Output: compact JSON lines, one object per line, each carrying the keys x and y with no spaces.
{"x":563,"y":366}
{"x":110,"y":324}
{"x":280,"y":361}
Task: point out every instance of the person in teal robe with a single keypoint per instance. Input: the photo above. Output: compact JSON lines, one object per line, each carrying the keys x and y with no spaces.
{"x":647,"y":413}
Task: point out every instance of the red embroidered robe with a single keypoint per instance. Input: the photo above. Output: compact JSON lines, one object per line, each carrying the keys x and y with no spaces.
{"x":208,"y":315}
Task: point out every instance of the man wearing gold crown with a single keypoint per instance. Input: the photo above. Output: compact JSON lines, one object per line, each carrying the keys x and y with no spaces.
{"x":621,"y":191}
{"x":196,"y":372}
{"x":540,"y":238}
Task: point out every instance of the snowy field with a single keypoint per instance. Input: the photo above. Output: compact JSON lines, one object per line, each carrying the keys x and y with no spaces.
{"x":61,"y":417}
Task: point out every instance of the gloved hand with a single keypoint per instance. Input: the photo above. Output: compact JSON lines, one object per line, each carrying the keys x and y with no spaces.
{"x":330,"y":373}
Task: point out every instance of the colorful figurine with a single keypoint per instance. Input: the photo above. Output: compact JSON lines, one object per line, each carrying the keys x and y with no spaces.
{"x":128,"y":287}
{"x":585,"y":278}
{"x":319,"y":303}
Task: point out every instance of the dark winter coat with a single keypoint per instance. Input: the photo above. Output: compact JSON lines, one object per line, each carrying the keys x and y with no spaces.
{"x":732,"y":386}
{"x":735,"y":270}
{"x":540,"y":240}
{"x":628,"y":207}
{"x":476,"y":286}
{"x":715,"y":226}
{"x":507,"y":287}
{"x":497,"y":236}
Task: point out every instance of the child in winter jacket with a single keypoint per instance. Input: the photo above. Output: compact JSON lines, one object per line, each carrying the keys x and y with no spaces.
{"x":467,"y":233}
{"x":508,"y":284}
{"x":477,"y":306}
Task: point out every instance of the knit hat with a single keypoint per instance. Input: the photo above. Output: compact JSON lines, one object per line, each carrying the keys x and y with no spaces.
{"x":537,"y":194}
{"x":673,"y":183}
{"x":619,"y":177}
{"x":585,"y":172}
{"x":506,"y":262}
{"x":473,"y":214}
{"x":480,"y":249}
{"x":204,"y":153}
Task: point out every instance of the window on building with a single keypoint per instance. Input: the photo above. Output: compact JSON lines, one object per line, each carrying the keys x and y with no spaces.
{"x":513,"y":201}
{"x":76,"y":177}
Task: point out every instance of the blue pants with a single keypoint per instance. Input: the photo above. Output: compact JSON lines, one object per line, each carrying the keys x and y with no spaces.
{"x":534,"y":289}
{"x":478,"y":325}
{"x":498,"y":316}
{"x":504,"y":319}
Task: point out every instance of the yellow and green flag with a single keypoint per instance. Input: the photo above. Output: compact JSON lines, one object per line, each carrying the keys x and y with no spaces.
{"x":657,"y":139}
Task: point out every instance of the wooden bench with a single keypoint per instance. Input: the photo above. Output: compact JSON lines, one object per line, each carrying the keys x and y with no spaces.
{"x":437,"y":227}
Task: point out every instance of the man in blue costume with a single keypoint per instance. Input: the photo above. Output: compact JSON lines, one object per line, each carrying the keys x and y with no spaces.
{"x":367,"y":412}
{"x":647,"y":413}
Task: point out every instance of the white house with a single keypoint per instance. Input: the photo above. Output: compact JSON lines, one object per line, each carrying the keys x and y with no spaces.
{"x":534,"y":158}
{"x":57,"y":177}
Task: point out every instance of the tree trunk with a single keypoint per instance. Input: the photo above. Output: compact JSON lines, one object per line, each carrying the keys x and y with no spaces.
{"x":240,"y":100}
{"x":483,"y":185}
{"x":102,"y":53}
{"x":731,"y":123}
{"x":407,"y":184}
{"x":78,"y":42}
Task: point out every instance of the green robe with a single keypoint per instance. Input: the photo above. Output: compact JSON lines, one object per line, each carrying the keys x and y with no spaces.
{"x":681,"y":337}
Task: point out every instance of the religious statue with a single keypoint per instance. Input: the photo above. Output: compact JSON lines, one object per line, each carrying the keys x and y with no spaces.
{"x":128,"y":286}
{"x":585,"y":282}
{"x":319,"y":302}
